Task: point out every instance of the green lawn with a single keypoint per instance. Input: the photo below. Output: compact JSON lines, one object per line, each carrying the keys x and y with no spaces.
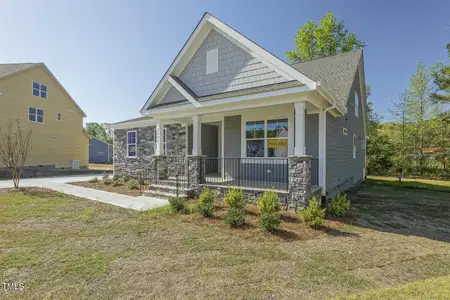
{"x":411,"y":183}
{"x":395,"y":244}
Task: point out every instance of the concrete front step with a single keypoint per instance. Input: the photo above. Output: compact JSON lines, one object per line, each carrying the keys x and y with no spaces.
{"x":166,"y":191}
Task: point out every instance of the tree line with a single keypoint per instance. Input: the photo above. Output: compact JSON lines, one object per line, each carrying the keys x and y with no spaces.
{"x":416,"y":142}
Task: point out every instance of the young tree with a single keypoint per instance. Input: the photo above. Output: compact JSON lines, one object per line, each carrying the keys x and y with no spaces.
{"x":100,"y":131}
{"x":399,"y":115}
{"x":15,"y":144}
{"x":329,"y":37}
{"x":419,"y":109}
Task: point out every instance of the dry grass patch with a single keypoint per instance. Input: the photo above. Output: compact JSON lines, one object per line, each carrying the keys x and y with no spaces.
{"x":61,"y":246}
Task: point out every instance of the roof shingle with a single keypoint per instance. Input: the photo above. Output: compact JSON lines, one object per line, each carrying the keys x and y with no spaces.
{"x":7,"y":69}
{"x":336,"y":73}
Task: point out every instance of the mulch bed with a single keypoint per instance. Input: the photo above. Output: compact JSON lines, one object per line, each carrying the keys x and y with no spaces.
{"x":99,"y":185}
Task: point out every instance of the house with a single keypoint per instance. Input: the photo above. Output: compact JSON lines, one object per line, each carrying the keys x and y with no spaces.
{"x":229,"y":113}
{"x":31,"y":93}
{"x":99,"y":151}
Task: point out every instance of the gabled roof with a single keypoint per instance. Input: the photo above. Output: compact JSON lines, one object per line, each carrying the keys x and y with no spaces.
{"x":10,"y":69}
{"x":7,"y":70}
{"x":336,"y":73}
{"x":200,"y":32}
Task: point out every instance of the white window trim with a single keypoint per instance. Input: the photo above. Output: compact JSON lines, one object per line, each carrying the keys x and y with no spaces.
{"x":354,"y":146}
{"x":32,"y":89}
{"x":344,"y":131}
{"x":59,"y":115}
{"x":135,"y":144}
{"x":266,"y":148}
{"x":356,"y":105}
{"x":36,"y":115}
{"x":212,"y":61}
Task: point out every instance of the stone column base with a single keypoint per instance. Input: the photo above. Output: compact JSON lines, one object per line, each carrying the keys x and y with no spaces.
{"x":299,"y":181}
{"x":196,"y":171}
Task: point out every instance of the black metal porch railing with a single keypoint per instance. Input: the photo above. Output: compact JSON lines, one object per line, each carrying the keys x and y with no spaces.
{"x":314,"y":171}
{"x":267,"y":173}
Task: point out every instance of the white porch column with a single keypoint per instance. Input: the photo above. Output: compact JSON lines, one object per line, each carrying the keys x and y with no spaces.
{"x":322,"y":150}
{"x":197,"y":135}
{"x":300,"y":134}
{"x":159,"y":138}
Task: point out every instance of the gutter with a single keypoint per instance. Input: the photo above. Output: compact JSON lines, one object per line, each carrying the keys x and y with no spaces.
{"x":323,"y":155}
{"x":327,"y":95}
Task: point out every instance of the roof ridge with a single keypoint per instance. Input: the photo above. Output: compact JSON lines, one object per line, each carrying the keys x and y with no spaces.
{"x":325,"y":57}
{"x":25,"y":63}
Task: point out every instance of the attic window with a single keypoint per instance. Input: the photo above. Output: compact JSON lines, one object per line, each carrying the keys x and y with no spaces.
{"x":212,"y":61}
{"x":39,"y":90}
{"x":356,"y":105}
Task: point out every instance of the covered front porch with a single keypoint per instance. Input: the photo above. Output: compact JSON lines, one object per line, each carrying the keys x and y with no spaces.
{"x":257,"y":147}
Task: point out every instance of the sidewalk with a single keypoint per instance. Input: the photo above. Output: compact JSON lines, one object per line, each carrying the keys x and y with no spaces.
{"x":59,"y":184}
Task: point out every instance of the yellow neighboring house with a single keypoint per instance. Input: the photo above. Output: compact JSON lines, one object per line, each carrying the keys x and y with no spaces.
{"x":32,"y":93}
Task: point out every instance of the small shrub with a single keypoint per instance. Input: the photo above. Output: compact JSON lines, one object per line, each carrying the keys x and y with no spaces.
{"x":268,"y":203}
{"x":115,"y":177}
{"x":313,"y":215}
{"x":206,"y":203}
{"x":126,"y":178}
{"x":268,"y":206}
{"x":339,"y":205}
{"x":234,"y":198}
{"x":132,"y":184}
{"x":270,"y":222}
{"x":235,"y":217}
{"x":93,"y":180}
{"x":117,"y":183}
{"x":177,"y":204}
{"x":108,"y":181}
{"x":105,"y":176}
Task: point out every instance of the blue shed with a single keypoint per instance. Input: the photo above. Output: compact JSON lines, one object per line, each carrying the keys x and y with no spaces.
{"x":99,"y":151}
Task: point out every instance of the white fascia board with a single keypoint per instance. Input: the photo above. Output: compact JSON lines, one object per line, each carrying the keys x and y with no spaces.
{"x":235,"y":103}
{"x":136,"y":124}
{"x":178,"y":58}
{"x":263,"y":55}
{"x":328,"y":96}
{"x":362,"y":83}
{"x":183,"y":92}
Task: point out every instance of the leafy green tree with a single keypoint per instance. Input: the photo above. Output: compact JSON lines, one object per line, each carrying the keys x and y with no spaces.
{"x":441,"y":78}
{"x":100,"y":131}
{"x":329,"y":37}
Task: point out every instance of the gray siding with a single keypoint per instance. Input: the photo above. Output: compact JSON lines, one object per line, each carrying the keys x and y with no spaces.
{"x":172,"y":96}
{"x":342,"y":169}
{"x":312,"y":135}
{"x":210,"y":140}
{"x":232,"y":136}
{"x":236,"y":69}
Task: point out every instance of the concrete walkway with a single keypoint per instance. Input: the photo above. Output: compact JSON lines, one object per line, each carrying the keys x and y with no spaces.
{"x":59,"y":184}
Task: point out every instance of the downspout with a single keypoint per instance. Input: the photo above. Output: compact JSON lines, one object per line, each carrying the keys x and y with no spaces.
{"x":324,"y":151}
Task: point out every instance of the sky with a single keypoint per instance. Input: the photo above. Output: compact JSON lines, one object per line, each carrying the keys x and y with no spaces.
{"x":110,"y":55}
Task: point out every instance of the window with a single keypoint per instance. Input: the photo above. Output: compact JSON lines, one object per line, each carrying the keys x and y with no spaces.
{"x":164,"y":139}
{"x":344,"y":131}
{"x":354,"y":146}
{"x":131,"y":144}
{"x":277,"y":138}
{"x":272,"y":135}
{"x":356,"y":105}
{"x":212,"y":61}
{"x":58,"y":117}
{"x":39,"y":90}
{"x":35,"y":115}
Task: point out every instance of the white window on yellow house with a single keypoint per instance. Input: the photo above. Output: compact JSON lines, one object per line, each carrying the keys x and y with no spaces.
{"x":36,"y":115}
{"x":39,"y":90}
{"x":271,"y":135}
